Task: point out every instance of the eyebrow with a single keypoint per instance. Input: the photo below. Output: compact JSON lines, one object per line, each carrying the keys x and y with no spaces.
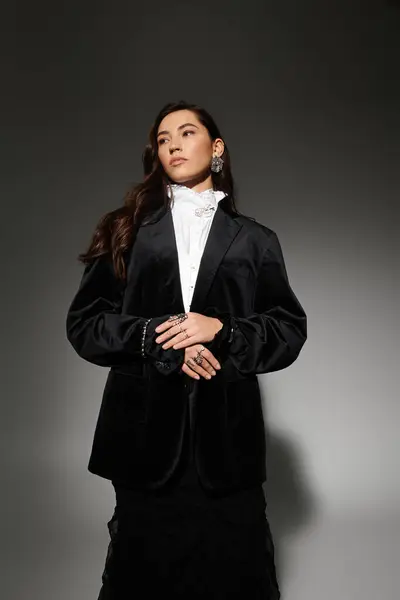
{"x":180,"y":127}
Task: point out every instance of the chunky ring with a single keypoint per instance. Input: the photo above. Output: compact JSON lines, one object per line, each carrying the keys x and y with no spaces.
{"x":182,"y":316}
{"x":173,"y":317}
{"x":198,"y":359}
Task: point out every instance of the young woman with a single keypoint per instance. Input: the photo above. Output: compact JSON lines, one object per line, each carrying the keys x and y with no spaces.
{"x":186,"y":300}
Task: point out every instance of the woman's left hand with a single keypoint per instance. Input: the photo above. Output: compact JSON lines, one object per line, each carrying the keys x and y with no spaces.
{"x":196,"y":329}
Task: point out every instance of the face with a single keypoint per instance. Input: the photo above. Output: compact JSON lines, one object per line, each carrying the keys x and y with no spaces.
{"x":181,"y":135}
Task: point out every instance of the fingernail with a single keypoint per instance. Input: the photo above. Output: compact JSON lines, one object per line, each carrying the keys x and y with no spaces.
{"x":218,"y":366}
{"x":213,"y":373}
{"x":208,"y":376}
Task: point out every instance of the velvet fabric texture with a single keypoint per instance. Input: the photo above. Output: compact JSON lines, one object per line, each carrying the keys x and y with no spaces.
{"x":188,"y":543}
{"x":242,"y":280}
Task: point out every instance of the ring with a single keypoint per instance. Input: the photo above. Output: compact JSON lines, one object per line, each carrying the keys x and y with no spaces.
{"x":198,"y":359}
{"x":181,"y":316}
{"x":183,"y":331}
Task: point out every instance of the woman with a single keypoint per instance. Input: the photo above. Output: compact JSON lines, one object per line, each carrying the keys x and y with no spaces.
{"x":186,"y":300}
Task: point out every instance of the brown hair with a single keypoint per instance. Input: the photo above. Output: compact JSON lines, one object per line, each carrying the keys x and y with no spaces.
{"x":115,"y":232}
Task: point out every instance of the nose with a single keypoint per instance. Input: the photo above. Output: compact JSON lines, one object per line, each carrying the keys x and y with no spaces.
{"x":173,"y":147}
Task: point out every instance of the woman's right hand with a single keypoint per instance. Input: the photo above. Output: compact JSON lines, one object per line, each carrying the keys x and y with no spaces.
{"x":209,"y":364}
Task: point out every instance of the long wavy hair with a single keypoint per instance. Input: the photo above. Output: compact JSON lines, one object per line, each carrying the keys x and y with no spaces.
{"x":116,"y":230}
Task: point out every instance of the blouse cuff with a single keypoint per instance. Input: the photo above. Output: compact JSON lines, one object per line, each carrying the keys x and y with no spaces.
{"x":165,"y":361}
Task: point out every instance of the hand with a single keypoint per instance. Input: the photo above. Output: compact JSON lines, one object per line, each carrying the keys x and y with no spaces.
{"x":206,"y":369}
{"x":196,"y":329}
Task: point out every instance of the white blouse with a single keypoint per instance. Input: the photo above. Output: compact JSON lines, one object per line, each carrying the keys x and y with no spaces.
{"x":192,"y":214}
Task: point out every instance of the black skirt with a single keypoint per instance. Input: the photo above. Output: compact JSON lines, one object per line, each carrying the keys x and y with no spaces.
{"x":182,"y":542}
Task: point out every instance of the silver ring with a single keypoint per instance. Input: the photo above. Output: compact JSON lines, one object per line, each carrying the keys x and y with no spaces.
{"x":198,"y":359}
{"x":179,"y":317}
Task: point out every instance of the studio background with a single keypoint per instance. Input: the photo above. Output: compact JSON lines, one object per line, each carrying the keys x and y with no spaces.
{"x":306,"y":97}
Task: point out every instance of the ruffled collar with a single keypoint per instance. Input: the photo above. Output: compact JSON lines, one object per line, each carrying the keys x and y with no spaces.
{"x":183,"y":195}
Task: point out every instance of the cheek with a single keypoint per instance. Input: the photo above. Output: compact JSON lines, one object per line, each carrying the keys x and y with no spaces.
{"x":163,"y":157}
{"x":199,"y":152}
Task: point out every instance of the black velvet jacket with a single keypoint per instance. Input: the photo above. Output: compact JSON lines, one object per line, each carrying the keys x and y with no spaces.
{"x":243,"y":281}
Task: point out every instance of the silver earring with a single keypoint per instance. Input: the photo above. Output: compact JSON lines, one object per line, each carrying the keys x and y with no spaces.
{"x":216,"y":164}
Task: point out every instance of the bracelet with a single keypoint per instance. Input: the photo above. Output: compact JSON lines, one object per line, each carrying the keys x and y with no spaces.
{"x":144,"y":335}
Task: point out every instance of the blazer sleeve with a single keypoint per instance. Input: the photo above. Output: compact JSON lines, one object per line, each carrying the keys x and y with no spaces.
{"x":271,"y":338}
{"x":101,"y":334}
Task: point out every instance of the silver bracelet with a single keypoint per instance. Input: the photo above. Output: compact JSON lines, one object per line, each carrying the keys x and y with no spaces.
{"x":144,"y":335}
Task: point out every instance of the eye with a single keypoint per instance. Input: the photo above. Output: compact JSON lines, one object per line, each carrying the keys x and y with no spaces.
{"x":161,"y":140}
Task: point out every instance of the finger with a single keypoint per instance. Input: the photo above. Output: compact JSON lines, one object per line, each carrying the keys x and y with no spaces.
{"x":198,"y":369}
{"x":171,"y":331}
{"x":186,"y":369}
{"x":182,"y":339}
{"x":207,"y":366}
{"x":167,"y":324}
{"x":211,"y":358}
{"x":184,"y":342}
{"x":163,"y":326}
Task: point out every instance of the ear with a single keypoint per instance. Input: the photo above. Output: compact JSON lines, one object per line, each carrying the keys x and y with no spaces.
{"x":218,"y":146}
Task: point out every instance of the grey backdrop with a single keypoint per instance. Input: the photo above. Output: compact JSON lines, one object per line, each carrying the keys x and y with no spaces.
{"x":305,"y":95}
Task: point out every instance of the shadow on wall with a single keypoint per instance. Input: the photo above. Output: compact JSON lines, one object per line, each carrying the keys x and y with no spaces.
{"x":291,"y":505}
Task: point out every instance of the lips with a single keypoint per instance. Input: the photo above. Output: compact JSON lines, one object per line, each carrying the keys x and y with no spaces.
{"x":177,"y":161}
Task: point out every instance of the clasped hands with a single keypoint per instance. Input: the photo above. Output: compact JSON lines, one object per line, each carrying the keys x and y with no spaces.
{"x":190,"y":334}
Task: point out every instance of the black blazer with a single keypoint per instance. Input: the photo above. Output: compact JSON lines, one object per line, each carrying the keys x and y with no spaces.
{"x":242,"y":280}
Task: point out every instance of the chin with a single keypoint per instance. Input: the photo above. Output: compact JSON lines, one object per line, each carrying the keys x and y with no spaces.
{"x":185,"y":178}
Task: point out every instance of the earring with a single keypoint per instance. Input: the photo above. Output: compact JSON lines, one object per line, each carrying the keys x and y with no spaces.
{"x":216,"y":164}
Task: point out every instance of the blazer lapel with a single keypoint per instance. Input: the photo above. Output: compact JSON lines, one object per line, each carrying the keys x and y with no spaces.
{"x":224,"y":229}
{"x":162,"y":244}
